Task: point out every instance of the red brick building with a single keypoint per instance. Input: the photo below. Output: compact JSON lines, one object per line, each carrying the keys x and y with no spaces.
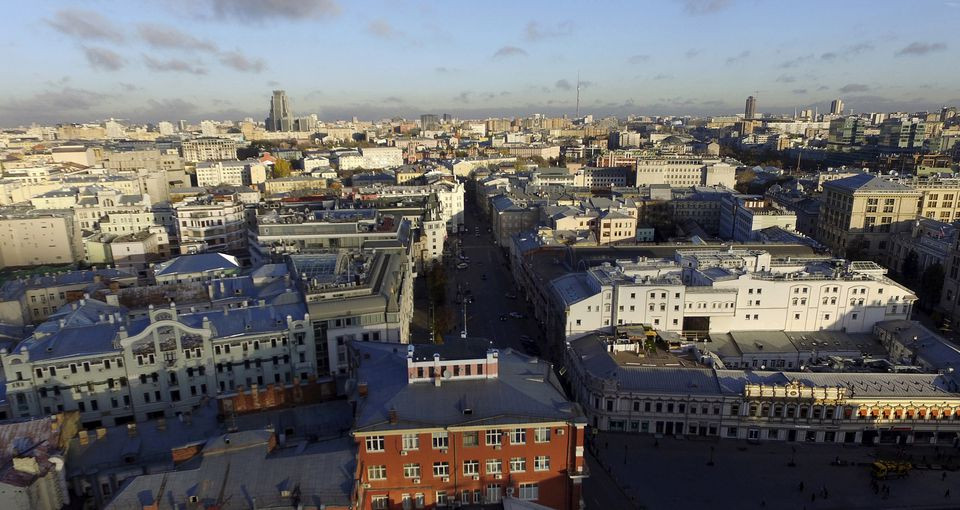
{"x":462,"y":424}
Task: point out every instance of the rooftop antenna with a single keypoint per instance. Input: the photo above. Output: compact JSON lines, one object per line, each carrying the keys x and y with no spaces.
{"x":578,"y":94}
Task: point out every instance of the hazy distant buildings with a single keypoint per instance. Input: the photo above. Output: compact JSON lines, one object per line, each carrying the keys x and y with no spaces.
{"x":836,"y":107}
{"x":429,"y":121}
{"x":281,"y":118}
{"x":751,"y":108}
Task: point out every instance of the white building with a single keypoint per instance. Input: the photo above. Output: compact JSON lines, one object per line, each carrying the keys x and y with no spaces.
{"x":449,"y":194}
{"x":737,"y":290}
{"x":210,"y":223}
{"x":381,"y":157}
{"x":683,"y":171}
{"x":209,"y":148}
{"x":235,"y":173}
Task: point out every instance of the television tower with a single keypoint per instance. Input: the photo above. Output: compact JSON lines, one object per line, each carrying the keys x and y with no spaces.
{"x":578,"y":95}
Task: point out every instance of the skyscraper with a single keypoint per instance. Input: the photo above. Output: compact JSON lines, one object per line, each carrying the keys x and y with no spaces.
{"x":836,"y":107}
{"x":751,"y":109}
{"x":281,"y":118}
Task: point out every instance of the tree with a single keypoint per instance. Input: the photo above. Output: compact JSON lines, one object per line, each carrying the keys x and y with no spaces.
{"x":931,"y":284}
{"x":744,"y":178}
{"x":281,"y":168}
{"x":910,"y":266}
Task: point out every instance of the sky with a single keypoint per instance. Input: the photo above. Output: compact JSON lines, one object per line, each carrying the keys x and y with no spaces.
{"x":152,"y":60}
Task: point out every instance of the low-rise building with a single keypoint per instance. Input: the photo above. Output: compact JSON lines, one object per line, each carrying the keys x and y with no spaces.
{"x":235,"y":173}
{"x":433,"y":428}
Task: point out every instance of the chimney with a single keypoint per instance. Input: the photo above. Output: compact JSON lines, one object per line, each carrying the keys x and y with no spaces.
{"x":392,"y":414}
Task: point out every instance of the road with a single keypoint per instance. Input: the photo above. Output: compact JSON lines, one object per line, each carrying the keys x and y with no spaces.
{"x":488,"y":281}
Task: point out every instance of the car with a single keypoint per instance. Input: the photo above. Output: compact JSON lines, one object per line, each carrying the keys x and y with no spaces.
{"x":463,"y":265}
{"x":517,"y":315}
{"x":503,"y":318}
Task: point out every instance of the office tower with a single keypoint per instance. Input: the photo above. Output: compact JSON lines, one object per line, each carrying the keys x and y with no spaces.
{"x":836,"y":107}
{"x":182,"y":126}
{"x":429,"y":121}
{"x":446,"y":118}
{"x":281,"y":118}
{"x":165,"y":128}
{"x":751,"y":109}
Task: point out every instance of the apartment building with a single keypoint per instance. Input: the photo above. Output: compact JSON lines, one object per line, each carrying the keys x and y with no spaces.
{"x":294,"y":183}
{"x":114,"y":367}
{"x":858,"y":214}
{"x":699,"y":204}
{"x":32,"y":299}
{"x":433,"y":429}
{"x":210,"y":223}
{"x":742,"y":217}
{"x":449,"y":194}
{"x":37,"y":238}
{"x":381,"y":157}
{"x":209,"y":149}
{"x":623,"y":392}
{"x":682,"y":171}
{"x":234,"y":173}
{"x":729,"y":290}
{"x":95,"y":203}
{"x":939,"y":198}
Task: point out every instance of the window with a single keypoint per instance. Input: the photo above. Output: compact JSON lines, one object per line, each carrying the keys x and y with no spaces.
{"x":411,"y":441}
{"x":375,"y":443}
{"x":529,"y":491}
{"x":379,"y":503}
{"x":518,"y":464}
{"x":494,"y":466}
{"x":471,"y":467}
{"x":493,"y":493}
{"x":542,"y":434}
{"x":411,"y":470}
{"x":442,"y":498}
{"x":441,"y":469}
{"x":541,"y":463}
{"x":518,"y":436}
{"x":418,"y":500}
{"x":471,"y":438}
{"x":440,"y":440}
{"x":376,"y":472}
{"x":493,"y":437}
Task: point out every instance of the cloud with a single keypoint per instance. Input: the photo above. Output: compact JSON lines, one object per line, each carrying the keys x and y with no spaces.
{"x":662,"y":76}
{"x":273,"y":83}
{"x":103,"y":59}
{"x":161,"y":36}
{"x":692,"y":52}
{"x":794,"y":62}
{"x":381,"y":28}
{"x":738,"y":58}
{"x":638,"y":59}
{"x":84,"y":25}
{"x":128,"y":87}
{"x":847,"y":51}
{"x":918,"y":49}
{"x":823,"y":87}
{"x":786,"y":78}
{"x":698,"y":7}
{"x":799,"y":91}
{"x":172,"y":65}
{"x":534,"y":32}
{"x":159,"y":109}
{"x":463,"y":97}
{"x":239,"y":62}
{"x":60,"y":105}
{"x":446,"y":70}
{"x":510,"y":51}
{"x":259,"y":10}
{"x":563,"y":85}
{"x":393,"y":99}
{"x":854,"y":87}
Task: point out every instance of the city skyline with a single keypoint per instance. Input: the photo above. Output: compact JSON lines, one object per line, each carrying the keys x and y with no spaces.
{"x":216,"y":59}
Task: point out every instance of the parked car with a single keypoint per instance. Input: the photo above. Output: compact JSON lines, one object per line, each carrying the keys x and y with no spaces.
{"x":463,"y":265}
{"x":503,"y":318}
{"x":517,"y":315}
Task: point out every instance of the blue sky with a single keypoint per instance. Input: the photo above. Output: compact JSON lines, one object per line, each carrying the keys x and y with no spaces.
{"x":192,"y":59}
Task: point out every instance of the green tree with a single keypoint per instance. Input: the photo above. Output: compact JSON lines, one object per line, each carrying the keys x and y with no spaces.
{"x":910,"y":266}
{"x":281,"y":168}
{"x":931,"y":284}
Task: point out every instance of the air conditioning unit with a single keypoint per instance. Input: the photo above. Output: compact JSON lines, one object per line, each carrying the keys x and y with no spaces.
{"x":560,"y":432}
{"x":445,"y":479}
{"x":403,"y":453}
{"x":476,"y":477}
{"x":498,"y":477}
{"x":366,"y":486}
{"x":416,"y":481}
{"x":498,"y":447}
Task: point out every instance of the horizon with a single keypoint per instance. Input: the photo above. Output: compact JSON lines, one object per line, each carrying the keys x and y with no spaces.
{"x":219,"y":59}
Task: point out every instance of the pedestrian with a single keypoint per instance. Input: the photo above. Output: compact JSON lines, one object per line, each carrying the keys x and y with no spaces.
{"x":946,"y":494}
{"x":943,"y":476}
{"x":813,"y":497}
{"x":801,"y":485}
